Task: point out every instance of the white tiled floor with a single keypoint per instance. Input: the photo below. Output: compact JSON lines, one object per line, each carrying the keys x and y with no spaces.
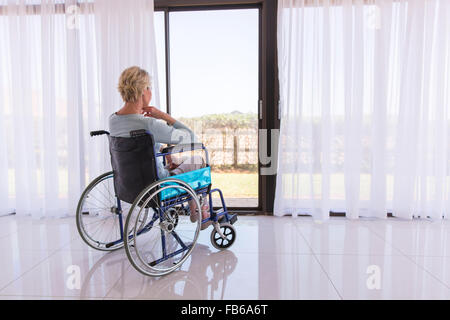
{"x":272,"y":258}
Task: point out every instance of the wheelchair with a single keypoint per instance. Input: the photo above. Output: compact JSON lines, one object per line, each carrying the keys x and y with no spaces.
{"x":131,"y":207}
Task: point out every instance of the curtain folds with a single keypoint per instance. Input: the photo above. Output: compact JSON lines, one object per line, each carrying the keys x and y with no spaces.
{"x":59,"y":66}
{"x":364,"y":92}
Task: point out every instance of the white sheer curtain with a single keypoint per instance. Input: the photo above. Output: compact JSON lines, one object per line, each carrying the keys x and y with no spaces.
{"x":365,"y":123}
{"x":59,"y":66}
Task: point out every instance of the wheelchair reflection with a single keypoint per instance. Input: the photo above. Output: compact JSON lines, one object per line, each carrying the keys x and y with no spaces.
{"x":203,"y":276}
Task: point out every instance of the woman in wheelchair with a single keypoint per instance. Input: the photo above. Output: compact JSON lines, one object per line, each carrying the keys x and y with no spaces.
{"x":154,"y":211}
{"x":134,"y":87}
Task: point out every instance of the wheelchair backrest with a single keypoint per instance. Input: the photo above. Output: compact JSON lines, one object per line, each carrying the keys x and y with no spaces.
{"x":134,"y":164}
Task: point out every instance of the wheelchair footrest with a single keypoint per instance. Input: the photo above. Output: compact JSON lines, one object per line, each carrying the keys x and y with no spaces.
{"x":233,"y":218}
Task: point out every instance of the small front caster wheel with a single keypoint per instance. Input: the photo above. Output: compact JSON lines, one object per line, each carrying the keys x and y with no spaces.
{"x":229,"y":233}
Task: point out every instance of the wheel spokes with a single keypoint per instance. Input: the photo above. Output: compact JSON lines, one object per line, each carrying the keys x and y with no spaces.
{"x":169,"y":242}
{"x":98,"y":217}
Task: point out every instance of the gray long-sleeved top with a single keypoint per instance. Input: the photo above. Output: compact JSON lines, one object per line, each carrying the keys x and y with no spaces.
{"x":121,"y":125}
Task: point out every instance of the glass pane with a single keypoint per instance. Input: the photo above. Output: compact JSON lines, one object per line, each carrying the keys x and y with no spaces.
{"x":161,"y":58}
{"x":214,"y":90}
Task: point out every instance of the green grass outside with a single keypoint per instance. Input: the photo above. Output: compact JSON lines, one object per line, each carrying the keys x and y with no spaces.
{"x":236,"y":185}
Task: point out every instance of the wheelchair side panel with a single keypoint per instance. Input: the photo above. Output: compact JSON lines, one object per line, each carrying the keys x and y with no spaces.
{"x":197,"y":179}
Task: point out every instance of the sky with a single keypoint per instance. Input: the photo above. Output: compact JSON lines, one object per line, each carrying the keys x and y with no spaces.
{"x":214,"y":61}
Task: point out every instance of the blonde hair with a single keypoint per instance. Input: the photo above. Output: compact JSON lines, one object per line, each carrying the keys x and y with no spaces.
{"x":132,"y":83}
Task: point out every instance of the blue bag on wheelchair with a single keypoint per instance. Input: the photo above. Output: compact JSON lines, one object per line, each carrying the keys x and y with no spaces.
{"x":197,"y":179}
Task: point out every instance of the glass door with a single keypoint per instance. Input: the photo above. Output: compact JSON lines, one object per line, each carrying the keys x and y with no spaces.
{"x":214,"y":89}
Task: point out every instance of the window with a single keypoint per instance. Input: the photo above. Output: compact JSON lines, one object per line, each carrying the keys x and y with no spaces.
{"x":214,"y":84}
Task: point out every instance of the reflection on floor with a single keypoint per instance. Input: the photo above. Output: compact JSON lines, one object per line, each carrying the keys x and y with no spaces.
{"x":273,"y":258}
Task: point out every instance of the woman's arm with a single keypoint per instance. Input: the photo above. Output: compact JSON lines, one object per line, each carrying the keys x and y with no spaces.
{"x":158,"y":114}
{"x":173,"y":133}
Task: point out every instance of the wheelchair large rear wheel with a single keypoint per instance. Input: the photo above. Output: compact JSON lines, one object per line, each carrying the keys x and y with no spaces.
{"x":98,"y":215}
{"x":166,"y":241}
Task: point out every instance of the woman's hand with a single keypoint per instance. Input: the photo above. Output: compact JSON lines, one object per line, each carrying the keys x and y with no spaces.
{"x":154,"y":112}
{"x":172,"y":165}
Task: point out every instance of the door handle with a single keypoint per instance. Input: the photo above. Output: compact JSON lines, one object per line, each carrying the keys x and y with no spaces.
{"x":260,"y":109}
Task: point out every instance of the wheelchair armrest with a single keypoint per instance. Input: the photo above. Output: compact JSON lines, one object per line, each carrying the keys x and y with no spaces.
{"x":182,"y":148}
{"x":98,"y":133}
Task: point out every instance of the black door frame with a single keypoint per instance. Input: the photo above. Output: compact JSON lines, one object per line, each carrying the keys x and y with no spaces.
{"x":268,"y":76}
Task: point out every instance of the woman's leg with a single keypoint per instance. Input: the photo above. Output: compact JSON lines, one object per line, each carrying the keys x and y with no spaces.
{"x":189,"y":164}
